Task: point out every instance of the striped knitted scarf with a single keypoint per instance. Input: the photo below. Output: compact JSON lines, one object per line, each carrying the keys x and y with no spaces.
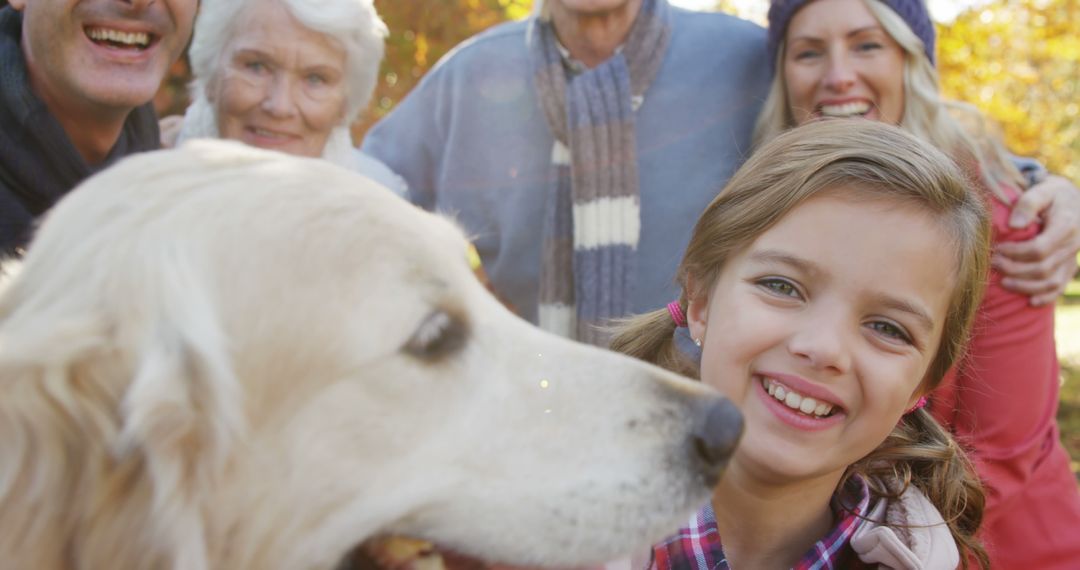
{"x":593,"y":220}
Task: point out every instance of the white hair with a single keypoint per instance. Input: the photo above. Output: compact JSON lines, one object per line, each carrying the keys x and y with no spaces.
{"x":354,"y":24}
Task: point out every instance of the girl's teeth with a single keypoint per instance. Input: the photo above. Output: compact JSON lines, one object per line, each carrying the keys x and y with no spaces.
{"x":806,"y":405}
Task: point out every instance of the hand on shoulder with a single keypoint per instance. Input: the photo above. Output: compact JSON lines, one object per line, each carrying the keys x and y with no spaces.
{"x":1043,"y":266}
{"x":170,"y":129}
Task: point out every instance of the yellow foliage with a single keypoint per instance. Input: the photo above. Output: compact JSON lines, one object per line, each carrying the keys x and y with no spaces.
{"x":421,"y":32}
{"x":1019,"y":62}
{"x":420,"y":54}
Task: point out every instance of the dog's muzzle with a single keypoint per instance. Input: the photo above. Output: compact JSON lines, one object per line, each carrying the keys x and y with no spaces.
{"x":718,"y":425}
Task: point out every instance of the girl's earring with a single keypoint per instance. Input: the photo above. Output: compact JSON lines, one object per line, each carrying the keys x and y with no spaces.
{"x":697,"y":341}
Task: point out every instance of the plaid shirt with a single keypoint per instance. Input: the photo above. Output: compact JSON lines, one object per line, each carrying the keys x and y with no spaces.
{"x":697,"y":546}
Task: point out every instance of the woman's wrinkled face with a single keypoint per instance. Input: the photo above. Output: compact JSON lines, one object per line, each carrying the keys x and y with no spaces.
{"x":281,"y":85}
{"x":839,"y":61}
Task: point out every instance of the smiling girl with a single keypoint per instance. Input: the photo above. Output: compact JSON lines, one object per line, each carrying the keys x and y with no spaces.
{"x":826,"y":290}
{"x":874,"y":59}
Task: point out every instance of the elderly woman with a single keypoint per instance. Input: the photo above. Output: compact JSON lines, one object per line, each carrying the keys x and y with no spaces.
{"x":287,"y":75}
{"x":875,"y":59}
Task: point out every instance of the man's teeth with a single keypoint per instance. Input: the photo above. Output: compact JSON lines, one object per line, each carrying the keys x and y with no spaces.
{"x":846,"y":109}
{"x":795,"y":401}
{"x":137,"y":39}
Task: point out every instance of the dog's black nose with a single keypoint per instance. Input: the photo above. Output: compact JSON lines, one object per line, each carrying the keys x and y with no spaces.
{"x":716,"y":433}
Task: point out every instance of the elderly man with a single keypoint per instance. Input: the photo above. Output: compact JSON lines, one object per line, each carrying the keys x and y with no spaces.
{"x":579,"y":146}
{"x":76,"y":80}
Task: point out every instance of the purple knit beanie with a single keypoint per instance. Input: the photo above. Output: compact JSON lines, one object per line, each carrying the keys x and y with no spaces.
{"x":912,"y":11}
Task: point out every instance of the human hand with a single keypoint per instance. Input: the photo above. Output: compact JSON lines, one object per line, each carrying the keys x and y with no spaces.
{"x":170,"y":129}
{"x":1042,"y":266}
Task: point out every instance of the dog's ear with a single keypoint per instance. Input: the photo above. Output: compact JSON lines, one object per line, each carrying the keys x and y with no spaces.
{"x":182,"y":410}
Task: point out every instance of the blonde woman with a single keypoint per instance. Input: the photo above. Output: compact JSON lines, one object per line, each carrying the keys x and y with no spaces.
{"x":874,"y":59}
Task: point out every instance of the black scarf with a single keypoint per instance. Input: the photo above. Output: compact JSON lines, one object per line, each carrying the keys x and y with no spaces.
{"x":38,"y":163}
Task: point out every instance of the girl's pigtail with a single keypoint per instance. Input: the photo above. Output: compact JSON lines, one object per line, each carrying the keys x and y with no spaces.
{"x":651,"y":337}
{"x":920,"y":452}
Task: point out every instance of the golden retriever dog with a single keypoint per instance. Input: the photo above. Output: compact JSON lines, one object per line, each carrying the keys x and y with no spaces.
{"x":221,"y":357}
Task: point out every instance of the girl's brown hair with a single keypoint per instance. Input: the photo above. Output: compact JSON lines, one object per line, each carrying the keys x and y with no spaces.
{"x":866,"y":160}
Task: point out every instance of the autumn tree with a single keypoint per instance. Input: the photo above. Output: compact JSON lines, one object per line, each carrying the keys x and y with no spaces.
{"x":421,"y":32}
{"x":1019,"y":62}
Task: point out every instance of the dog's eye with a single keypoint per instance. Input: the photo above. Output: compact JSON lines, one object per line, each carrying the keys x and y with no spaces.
{"x":438,"y":336}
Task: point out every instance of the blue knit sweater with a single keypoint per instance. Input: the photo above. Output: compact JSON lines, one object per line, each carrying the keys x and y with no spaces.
{"x":471,"y":141}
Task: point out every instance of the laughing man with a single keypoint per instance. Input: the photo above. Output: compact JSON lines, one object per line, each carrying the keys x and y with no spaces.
{"x":76,"y":81}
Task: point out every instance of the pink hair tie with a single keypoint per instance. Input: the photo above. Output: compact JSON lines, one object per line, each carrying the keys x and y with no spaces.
{"x":920,"y":404}
{"x":676,"y":314}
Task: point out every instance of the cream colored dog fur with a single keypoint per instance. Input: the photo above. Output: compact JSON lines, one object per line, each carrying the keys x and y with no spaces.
{"x":219,"y":357}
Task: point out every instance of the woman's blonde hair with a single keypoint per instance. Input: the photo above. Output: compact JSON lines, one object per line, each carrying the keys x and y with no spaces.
{"x":868,"y":160}
{"x":955,"y":127}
